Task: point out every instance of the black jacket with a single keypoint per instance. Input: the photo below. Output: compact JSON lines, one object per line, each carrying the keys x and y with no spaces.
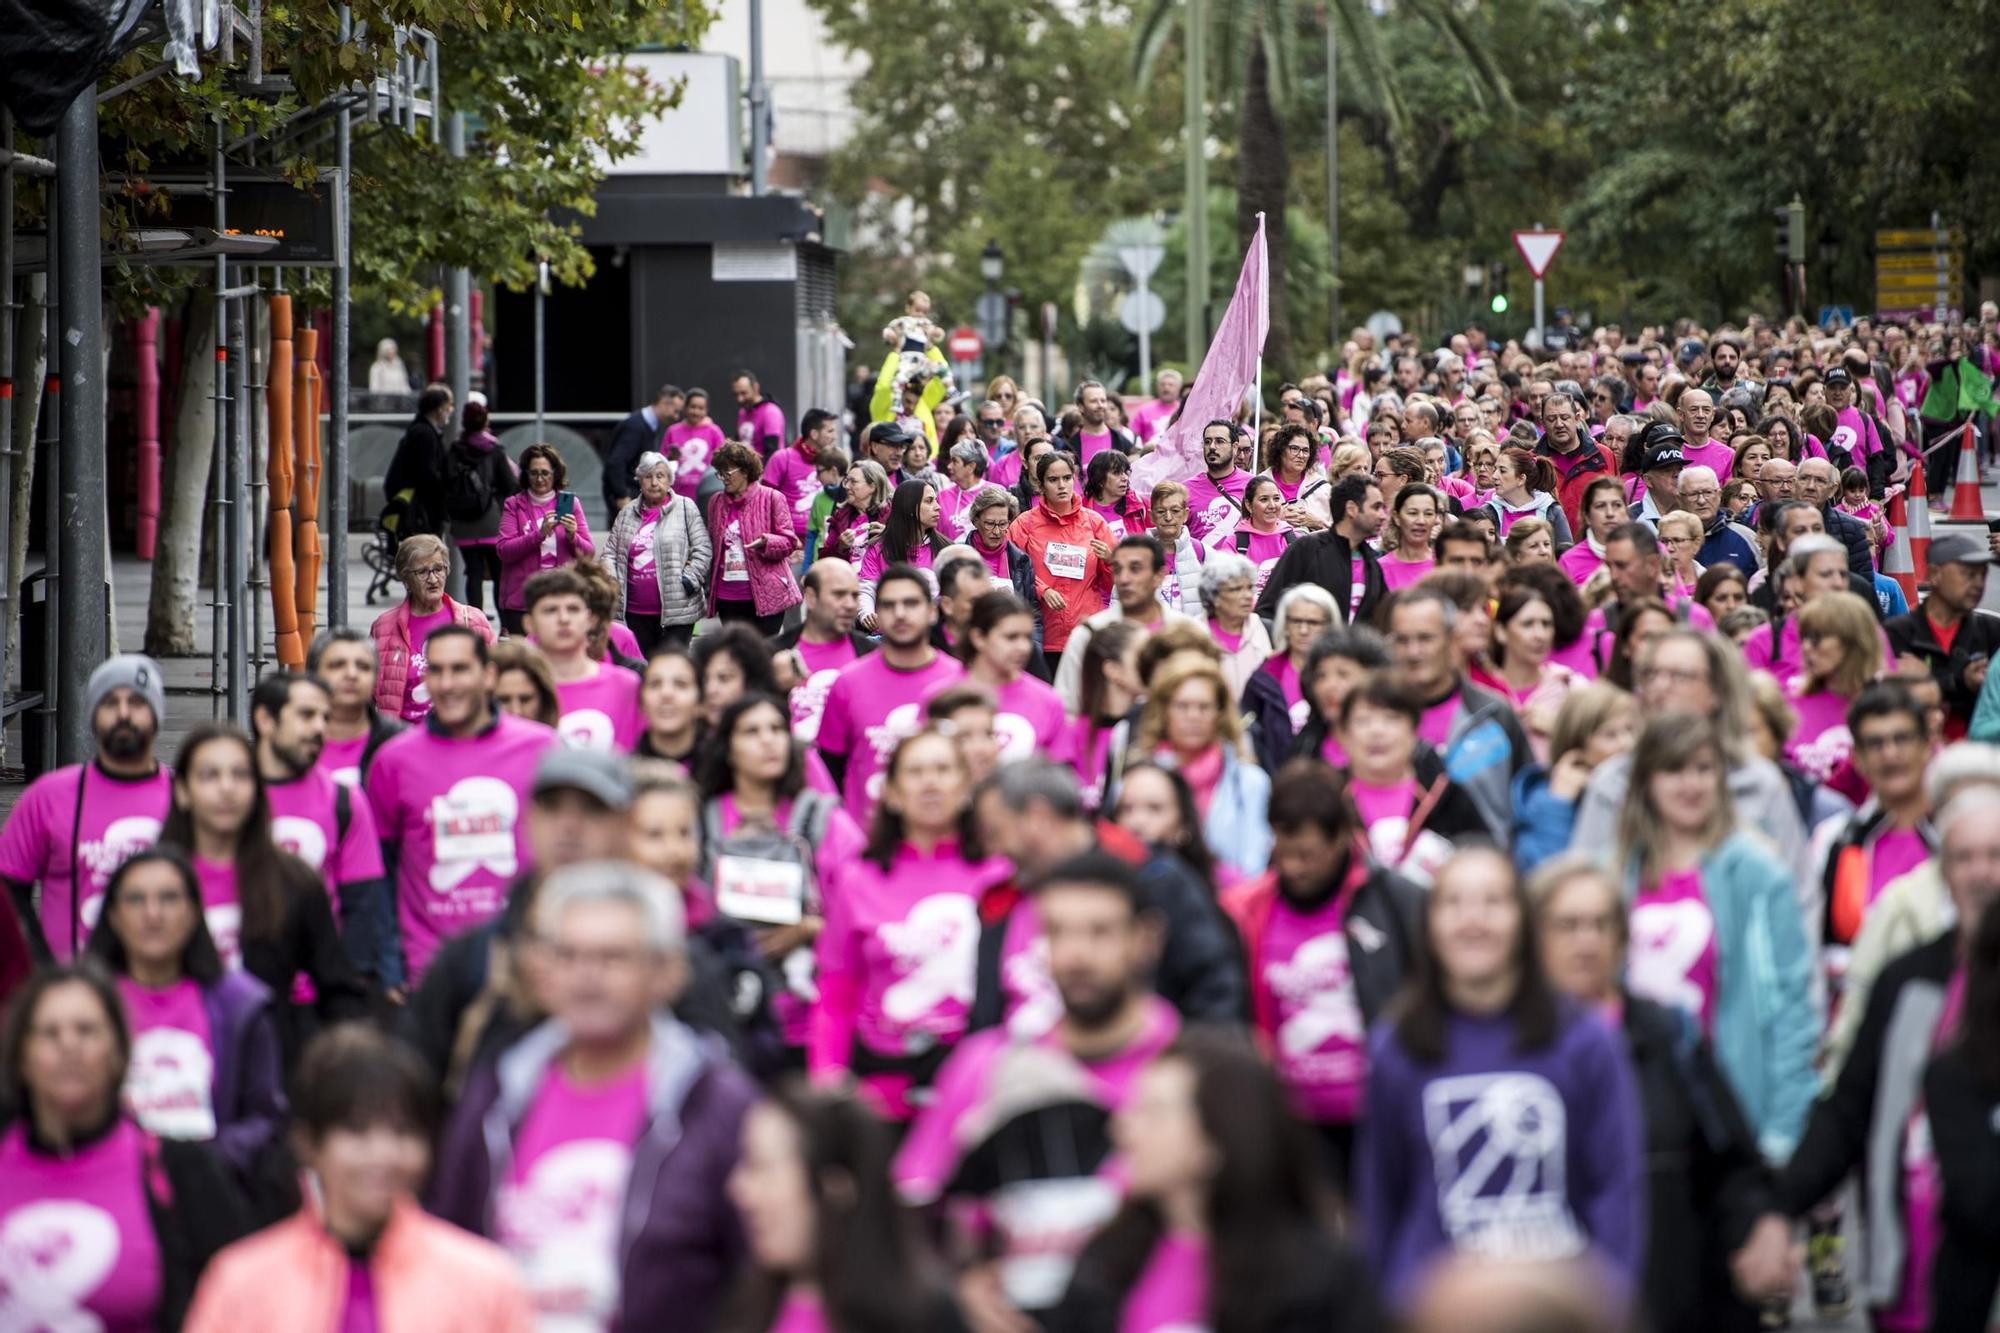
{"x":863,"y":644}
{"x":1965,"y":1133}
{"x":307,"y":941}
{"x":1852,"y":533}
{"x":1978,"y":635}
{"x":1327,"y":1289}
{"x":629,"y":438}
{"x":1122,"y":440}
{"x":1325,"y":558}
{"x":1200,"y":971}
{"x":381,"y":728}
{"x":418,"y":467}
{"x":1706,"y":1182}
{"x":1270,"y":719}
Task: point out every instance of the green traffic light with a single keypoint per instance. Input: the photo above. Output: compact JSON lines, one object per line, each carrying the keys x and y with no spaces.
{"x":1499,"y":303}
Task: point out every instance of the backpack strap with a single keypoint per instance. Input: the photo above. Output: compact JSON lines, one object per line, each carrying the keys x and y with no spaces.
{"x":343,"y":812}
{"x":1242,"y":542}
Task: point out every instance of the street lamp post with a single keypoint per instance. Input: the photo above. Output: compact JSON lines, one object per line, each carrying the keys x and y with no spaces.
{"x":992,"y":305}
{"x":1333,"y":181}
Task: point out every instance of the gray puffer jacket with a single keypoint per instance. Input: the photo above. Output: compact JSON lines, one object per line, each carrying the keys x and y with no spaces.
{"x":680,"y":546}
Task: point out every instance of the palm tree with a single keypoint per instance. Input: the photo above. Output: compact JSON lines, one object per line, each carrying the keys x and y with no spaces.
{"x":1255,"y":41}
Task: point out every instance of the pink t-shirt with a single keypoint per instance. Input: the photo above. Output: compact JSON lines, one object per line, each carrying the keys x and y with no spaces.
{"x":1714,"y":454}
{"x":601,"y":711}
{"x":548,"y":557}
{"x":58,"y":834}
{"x":1262,"y":549}
{"x":955,"y":511}
{"x":1923,"y":1194}
{"x":170,"y":1083}
{"x":1672,"y":957}
{"x":1580,"y":562}
{"x":1152,"y":417}
{"x":1895,"y":854}
{"x":77,"y":1237}
{"x":1029,"y":718}
{"x":1121,"y":525}
{"x":221,"y":908}
{"x":925,"y":1162}
{"x":1319,"y":1042}
{"x":1386,"y":813}
{"x":1398,"y":573}
{"x":621,"y":640}
{"x":1297,"y":706}
{"x":305,"y":822}
{"x":823,"y":661}
{"x":642,"y":580}
{"x":697,"y":444}
{"x":558,"y":1210}
{"x":417,"y":695}
{"x":869,"y":708}
{"x":1333,"y":752}
{"x":907,"y":941}
{"x":1212,"y":504}
{"x":800,"y":1313}
{"x":1093,"y":444}
{"x":1357,"y":585}
{"x":341,"y":760}
{"x":454,"y":807}
{"x":1171,"y":1295}
{"x":1435,"y":726}
{"x":1822,"y":742}
{"x":1089,"y":751}
{"x":1030,"y":1004}
{"x":1170,"y":587}
{"x":733,"y":558}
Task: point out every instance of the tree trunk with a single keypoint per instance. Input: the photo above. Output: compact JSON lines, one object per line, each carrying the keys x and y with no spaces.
{"x":1261,"y":167}
{"x":30,"y":370}
{"x":170,"y":612}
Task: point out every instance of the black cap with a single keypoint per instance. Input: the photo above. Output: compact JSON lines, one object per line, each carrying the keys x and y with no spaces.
{"x":1836,"y":375}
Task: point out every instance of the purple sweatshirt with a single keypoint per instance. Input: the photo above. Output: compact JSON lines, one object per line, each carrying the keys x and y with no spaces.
{"x":1499,"y":1152}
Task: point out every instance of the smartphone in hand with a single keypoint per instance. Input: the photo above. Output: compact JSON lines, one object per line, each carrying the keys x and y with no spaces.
{"x":565,"y":504}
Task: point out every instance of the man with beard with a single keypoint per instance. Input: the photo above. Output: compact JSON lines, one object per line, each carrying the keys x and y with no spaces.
{"x":1725,"y":359}
{"x":824,"y":642}
{"x":1342,"y":559}
{"x":74,"y":826}
{"x":1095,"y":430}
{"x":1018,"y":1125}
{"x":322,"y":822}
{"x":1328,"y":937}
{"x":1576,"y":457}
{"x":1214,"y":497}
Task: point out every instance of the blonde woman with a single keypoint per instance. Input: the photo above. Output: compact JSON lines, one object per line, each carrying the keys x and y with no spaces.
{"x":1482,"y":463}
{"x":1680,"y":540}
{"x":1190,"y":723}
{"x":1596,"y":722}
{"x":1349,"y":456}
{"x":1840,"y":651}
{"x":1531,"y":541}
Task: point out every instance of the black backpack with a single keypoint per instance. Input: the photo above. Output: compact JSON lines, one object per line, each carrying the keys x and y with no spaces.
{"x":468,"y":494}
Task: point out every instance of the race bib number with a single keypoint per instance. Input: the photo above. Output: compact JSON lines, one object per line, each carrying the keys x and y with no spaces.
{"x":771,"y":893}
{"x":735,"y":564}
{"x":1065,"y":560}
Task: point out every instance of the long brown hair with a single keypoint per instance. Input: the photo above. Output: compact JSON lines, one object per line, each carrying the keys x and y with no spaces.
{"x":267,"y":876}
{"x":1669,"y":744}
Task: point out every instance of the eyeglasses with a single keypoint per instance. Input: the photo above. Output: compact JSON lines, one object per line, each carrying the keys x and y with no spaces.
{"x":1700,"y":493}
{"x":430,"y":572}
{"x":1895,"y":740}
{"x":990,"y":423}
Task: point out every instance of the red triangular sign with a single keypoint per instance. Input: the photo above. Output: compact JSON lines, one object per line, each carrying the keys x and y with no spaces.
{"x":1538,"y":249}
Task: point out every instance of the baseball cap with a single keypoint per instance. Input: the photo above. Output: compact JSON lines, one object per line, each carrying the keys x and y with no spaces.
{"x":1690,"y":349}
{"x":592,"y":772}
{"x":1836,"y":375}
{"x":1960,"y":548}
{"x":1664,"y":452}
{"x":888,"y":432}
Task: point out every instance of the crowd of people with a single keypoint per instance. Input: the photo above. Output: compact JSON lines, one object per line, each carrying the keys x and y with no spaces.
{"x":1485,"y":846}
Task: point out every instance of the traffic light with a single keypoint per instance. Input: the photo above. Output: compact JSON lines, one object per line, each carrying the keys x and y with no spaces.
{"x":1789,"y":236}
{"x":1497,"y":284}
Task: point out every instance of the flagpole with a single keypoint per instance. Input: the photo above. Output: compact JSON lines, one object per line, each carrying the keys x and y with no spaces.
{"x":1257,"y":409}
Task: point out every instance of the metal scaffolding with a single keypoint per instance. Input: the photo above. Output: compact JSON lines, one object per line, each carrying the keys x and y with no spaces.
{"x":71,"y":437}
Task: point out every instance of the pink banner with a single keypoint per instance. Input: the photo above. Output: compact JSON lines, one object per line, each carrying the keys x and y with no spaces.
{"x":1228,"y":371}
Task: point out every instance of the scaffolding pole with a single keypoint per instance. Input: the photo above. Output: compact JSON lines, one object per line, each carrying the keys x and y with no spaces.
{"x":83,"y":634}
{"x":220,"y":496}
{"x":335,"y":542}
{"x":9,"y":311}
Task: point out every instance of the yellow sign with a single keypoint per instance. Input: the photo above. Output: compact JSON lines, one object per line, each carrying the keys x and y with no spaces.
{"x":1914,"y":282}
{"x":1918,"y":261}
{"x":1919,"y":238}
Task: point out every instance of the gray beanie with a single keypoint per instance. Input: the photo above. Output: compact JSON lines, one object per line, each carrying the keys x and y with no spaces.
{"x":133,"y":671}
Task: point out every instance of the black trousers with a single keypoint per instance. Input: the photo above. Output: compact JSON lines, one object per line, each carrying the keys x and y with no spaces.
{"x":745,"y":612}
{"x":653,"y":636}
{"x":482,"y":565}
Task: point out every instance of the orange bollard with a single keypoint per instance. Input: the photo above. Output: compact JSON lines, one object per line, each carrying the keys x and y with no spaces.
{"x":278,"y":474}
{"x":306,"y":389}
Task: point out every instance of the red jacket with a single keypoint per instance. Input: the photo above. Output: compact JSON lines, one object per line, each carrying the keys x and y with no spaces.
{"x":1040,"y":528}
{"x":393,"y":649}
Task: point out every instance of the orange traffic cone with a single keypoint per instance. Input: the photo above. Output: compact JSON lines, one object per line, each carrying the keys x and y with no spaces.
{"x":1920,"y":522}
{"x":1896,"y":562}
{"x":1966,"y":506}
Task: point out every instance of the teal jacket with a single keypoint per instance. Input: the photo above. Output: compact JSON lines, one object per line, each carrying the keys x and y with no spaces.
{"x":1766,"y":1026}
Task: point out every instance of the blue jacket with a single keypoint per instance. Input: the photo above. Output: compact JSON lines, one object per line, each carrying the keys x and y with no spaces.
{"x":1238,"y":826}
{"x":1766,"y":1027}
{"x":1725,"y":542}
{"x":1542,"y":819}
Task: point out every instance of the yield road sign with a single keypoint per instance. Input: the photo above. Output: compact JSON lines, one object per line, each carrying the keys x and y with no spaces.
{"x":1538,"y":249}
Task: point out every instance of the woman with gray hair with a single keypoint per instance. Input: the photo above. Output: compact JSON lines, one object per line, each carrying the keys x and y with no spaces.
{"x":965,"y":470}
{"x":659,"y":554}
{"x":422,"y":564}
{"x":1229,"y":600}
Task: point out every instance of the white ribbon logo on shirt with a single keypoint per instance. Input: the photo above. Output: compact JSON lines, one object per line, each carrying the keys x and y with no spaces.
{"x":53,"y":1257}
{"x":472,"y":829}
{"x":303,"y":838}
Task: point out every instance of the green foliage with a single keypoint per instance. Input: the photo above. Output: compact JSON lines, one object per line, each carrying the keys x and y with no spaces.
{"x":547,"y":95}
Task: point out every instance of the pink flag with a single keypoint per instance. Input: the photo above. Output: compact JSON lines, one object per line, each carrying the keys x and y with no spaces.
{"x":1228,"y":371}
